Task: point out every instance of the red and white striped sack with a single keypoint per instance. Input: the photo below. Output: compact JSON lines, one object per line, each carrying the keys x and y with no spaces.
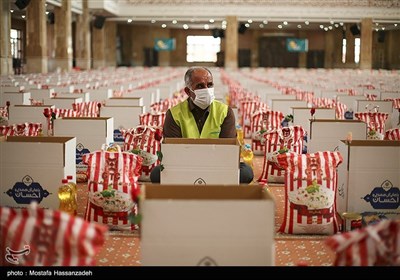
{"x":35,"y":236}
{"x":23,"y":129}
{"x":261,"y":122}
{"x":392,"y":134}
{"x":87,"y":109}
{"x":374,"y":245}
{"x":112,"y":181}
{"x":152,"y":119}
{"x":58,"y":113}
{"x":309,"y":208}
{"x":290,"y":137}
{"x":247,"y":108}
{"x":4,"y":112}
{"x":395,"y":101}
{"x":146,"y":142}
{"x":340,"y":109}
{"x":374,"y":120}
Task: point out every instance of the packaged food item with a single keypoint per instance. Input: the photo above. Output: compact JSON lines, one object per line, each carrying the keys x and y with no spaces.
{"x":351,"y":221}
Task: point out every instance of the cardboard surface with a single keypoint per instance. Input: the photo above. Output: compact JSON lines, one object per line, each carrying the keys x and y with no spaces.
{"x":200,"y":161}
{"x":31,"y":169}
{"x":209,"y":225}
{"x":369,"y":177}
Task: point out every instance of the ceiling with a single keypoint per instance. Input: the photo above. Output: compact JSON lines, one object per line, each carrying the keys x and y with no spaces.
{"x":256,"y":14}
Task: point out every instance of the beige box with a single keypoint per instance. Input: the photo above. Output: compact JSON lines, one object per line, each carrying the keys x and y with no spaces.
{"x":302,"y":116}
{"x":63,"y":102}
{"x":207,"y":226}
{"x":325,"y":134}
{"x":200,"y":161}
{"x":84,"y":95}
{"x":369,"y":177}
{"x":90,"y":133}
{"x":350,"y":100}
{"x":31,"y":169}
{"x":41,"y":94}
{"x":100,"y":94}
{"x":16,"y":98}
{"x":29,"y":113}
{"x":285,"y":106}
{"x":124,"y":101}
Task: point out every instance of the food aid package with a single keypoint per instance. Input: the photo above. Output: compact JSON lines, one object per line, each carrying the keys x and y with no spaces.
{"x":310,"y":192}
{"x":112,"y":184}
{"x":144,"y":141}
{"x":36,"y":236}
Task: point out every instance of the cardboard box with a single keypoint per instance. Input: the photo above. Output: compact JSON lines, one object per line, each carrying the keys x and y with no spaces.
{"x":90,"y":133}
{"x":369,"y":177}
{"x":325,"y":134}
{"x":100,"y":94}
{"x":41,"y":94}
{"x":124,"y":117}
{"x":124,"y":101}
{"x":208,"y":225}
{"x":16,"y":98}
{"x":200,"y":161}
{"x":29,"y":113}
{"x":285,"y":106}
{"x":63,"y":102}
{"x":302,"y":116}
{"x":31,"y":169}
{"x":350,"y":100}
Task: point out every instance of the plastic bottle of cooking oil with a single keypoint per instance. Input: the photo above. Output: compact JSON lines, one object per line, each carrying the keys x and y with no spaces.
{"x":74,"y":193}
{"x":239,"y":135}
{"x":66,"y":197}
{"x":247,"y":154}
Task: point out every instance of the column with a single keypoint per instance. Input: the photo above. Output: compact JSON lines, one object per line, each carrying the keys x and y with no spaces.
{"x":98,"y":46}
{"x":82,"y":41}
{"x":231,"y":42}
{"x":349,"y":46}
{"x":329,"y":45}
{"x":36,"y":37}
{"x":63,"y":34}
{"x":366,"y":44}
{"x":110,"y":44}
{"x":5,"y":46}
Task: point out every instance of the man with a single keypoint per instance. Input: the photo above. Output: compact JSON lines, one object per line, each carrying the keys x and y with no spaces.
{"x":200,"y":116}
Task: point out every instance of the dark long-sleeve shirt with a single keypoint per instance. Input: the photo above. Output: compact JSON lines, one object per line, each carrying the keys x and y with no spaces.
{"x":172,"y":130}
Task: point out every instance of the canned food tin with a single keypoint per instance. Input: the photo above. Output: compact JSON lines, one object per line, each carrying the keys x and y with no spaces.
{"x":351,"y":221}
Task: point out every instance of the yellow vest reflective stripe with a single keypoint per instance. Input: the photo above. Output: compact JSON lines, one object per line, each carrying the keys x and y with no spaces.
{"x":183,"y":117}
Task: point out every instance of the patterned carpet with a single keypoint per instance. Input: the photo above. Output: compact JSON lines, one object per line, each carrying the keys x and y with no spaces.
{"x":123,"y":249}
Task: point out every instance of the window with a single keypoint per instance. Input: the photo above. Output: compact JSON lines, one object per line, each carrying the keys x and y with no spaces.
{"x":202,"y":48}
{"x":16,"y":43}
{"x":357,"y":50}
{"x":344,"y":50}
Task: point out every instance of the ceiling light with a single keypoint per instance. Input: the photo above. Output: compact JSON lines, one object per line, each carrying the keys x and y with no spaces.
{"x":206,"y":26}
{"x":336,"y":25}
{"x":330,"y":27}
{"x":285,"y":22}
{"x":279,"y":26}
{"x":395,"y":24}
{"x":247,"y":25}
{"x":11,"y":11}
{"x":341,"y":23}
{"x":224,"y":22}
{"x":163,"y":25}
{"x":326,"y":28}
{"x":265,"y":21}
{"x":261,"y":25}
{"x":130,"y":20}
{"x":174,"y":21}
{"x":211,"y":20}
{"x":321,"y":26}
{"x":185,"y":26}
{"x":298,"y":26}
{"x":249,"y":20}
{"x":47,"y":12}
{"x":23,"y":16}
{"x":307,"y":22}
{"x":331,"y":22}
{"x":383,"y":28}
{"x":153,"y":21}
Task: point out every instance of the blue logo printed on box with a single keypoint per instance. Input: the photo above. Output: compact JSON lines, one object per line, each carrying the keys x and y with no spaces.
{"x":118,"y":136}
{"x":80,"y":151}
{"x":384,"y":197}
{"x":27,"y":191}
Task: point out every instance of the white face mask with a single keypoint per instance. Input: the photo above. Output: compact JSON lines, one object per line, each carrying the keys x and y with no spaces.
{"x":204,"y":97}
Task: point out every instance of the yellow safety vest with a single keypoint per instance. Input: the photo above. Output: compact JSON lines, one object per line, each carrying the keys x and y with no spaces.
{"x":212,"y":127}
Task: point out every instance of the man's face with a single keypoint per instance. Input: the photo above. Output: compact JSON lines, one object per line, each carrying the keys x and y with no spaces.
{"x":200,"y":79}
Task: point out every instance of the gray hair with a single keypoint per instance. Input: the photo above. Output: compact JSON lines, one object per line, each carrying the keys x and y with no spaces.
{"x":189,"y":72}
